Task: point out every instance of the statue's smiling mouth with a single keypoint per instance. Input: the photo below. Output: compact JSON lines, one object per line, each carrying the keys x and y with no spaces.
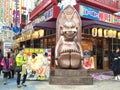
{"x":70,"y":34}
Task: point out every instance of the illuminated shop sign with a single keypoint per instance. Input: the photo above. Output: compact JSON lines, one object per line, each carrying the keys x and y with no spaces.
{"x":98,"y":15}
{"x":40,"y":19}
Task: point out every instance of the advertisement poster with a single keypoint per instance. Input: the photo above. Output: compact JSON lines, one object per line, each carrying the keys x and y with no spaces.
{"x":6,"y":46}
{"x":88,"y":60}
{"x":38,"y":67}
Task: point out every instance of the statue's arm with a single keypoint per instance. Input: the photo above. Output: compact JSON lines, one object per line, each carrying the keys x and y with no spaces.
{"x":80,"y":49}
{"x":57,"y":48}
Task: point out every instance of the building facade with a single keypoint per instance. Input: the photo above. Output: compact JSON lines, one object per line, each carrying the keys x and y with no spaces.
{"x":100,"y":27}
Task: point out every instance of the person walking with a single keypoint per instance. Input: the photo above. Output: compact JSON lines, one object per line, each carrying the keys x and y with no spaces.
{"x":7,"y":64}
{"x":21,"y":60}
{"x":12,"y":70}
{"x":1,"y":56}
{"x":115,"y":63}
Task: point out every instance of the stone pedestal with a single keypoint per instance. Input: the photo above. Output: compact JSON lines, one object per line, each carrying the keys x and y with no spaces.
{"x":70,"y":77}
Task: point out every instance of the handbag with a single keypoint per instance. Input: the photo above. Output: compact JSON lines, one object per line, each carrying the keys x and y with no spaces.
{"x":5,"y":70}
{"x":18,"y":68}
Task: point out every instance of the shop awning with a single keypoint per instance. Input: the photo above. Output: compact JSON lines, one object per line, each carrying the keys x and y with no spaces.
{"x":86,"y":24}
{"x":50,"y":25}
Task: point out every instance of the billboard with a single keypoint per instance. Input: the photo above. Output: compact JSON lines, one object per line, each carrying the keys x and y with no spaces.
{"x":38,"y":67}
{"x":95,"y":14}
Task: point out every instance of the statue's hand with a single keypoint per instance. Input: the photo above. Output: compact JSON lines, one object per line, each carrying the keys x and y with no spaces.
{"x":56,"y":61}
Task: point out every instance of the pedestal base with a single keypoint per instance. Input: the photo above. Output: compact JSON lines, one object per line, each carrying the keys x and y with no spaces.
{"x":70,"y":77}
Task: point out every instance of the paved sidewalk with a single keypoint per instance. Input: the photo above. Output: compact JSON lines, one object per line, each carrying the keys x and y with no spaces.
{"x":44,"y":85}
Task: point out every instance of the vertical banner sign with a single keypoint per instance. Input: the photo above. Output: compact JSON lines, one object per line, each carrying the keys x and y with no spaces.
{"x":39,"y":60}
{"x":0,"y":10}
{"x":17,"y":12}
{"x":10,"y":19}
{"x":7,"y":11}
{"x":3,"y":11}
{"x":13,"y":8}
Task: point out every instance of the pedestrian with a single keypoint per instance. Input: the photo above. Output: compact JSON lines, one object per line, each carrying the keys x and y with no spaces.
{"x":21,"y":60}
{"x":115,"y":63}
{"x":1,"y":56}
{"x":12,"y":70}
{"x":7,"y":64}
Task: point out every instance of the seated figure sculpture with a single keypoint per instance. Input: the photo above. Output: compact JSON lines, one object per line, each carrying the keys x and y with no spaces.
{"x":68,"y":49}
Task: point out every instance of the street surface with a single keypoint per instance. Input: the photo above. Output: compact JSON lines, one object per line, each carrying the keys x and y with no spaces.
{"x":44,"y":85}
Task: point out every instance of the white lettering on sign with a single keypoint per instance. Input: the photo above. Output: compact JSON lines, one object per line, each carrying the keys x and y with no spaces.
{"x":48,"y":14}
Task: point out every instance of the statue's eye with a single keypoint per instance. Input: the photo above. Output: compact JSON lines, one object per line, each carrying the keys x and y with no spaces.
{"x":73,"y":27}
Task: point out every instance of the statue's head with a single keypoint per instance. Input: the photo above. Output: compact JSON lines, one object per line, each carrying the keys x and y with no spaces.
{"x":69,"y":29}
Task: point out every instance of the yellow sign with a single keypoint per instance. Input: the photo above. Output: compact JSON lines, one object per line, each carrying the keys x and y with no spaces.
{"x":31,"y":50}
{"x":26,"y":50}
{"x":36,"y":50}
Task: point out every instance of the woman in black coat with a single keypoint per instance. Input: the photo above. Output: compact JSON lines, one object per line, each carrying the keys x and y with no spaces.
{"x":116,"y":63}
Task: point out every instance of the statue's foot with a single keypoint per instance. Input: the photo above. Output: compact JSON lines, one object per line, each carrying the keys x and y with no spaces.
{"x":64,"y":60}
{"x":75,"y":60}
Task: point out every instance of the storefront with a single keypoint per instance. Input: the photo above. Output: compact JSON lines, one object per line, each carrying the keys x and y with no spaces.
{"x":100,"y":44}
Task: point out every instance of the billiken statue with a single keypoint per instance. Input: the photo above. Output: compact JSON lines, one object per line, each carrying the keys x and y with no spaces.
{"x":68,"y":51}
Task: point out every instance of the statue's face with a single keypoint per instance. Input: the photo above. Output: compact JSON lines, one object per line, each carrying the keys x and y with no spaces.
{"x":69,"y":29}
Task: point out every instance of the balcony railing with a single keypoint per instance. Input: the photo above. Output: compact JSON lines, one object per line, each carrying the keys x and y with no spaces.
{"x":112,"y":5}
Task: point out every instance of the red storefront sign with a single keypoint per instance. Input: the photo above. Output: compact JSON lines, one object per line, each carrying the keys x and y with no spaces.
{"x":50,"y":14}
{"x":45,"y":4}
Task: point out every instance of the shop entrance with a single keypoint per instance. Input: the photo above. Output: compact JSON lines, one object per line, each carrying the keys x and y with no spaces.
{"x":99,"y":53}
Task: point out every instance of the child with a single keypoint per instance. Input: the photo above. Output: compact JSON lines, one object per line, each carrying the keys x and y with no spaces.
{"x":7,"y":64}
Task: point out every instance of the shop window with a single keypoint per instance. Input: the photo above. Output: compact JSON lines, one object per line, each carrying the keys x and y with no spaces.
{"x":53,"y":31}
{"x":45,"y":43}
{"x":49,"y":43}
{"x":37,"y":43}
{"x":41,"y":43}
{"x":28,"y":44}
{"x":87,"y":31}
{"x":22,"y":43}
{"x":49,"y":32}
